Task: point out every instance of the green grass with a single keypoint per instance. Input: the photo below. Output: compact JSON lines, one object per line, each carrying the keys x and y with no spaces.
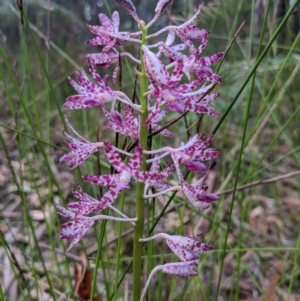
{"x":254,"y":230}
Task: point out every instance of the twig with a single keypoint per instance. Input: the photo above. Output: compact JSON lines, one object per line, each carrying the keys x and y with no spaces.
{"x":261,"y":182}
{"x":230,"y":44}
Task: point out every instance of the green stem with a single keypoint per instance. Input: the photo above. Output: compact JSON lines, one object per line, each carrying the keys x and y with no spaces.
{"x":139,"y":227}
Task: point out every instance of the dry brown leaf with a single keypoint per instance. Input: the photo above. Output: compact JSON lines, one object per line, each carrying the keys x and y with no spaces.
{"x":270,"y":293}
{"x":83,"y":280}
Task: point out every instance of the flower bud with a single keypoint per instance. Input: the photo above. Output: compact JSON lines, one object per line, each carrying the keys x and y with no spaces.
{"x":129,"y":7}
{"x":161,"y":6}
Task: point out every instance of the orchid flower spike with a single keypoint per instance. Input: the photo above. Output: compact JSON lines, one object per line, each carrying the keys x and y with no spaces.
{"x":182,"y":85}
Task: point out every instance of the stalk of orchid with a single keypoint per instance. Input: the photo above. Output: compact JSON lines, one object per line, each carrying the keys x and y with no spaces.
{"x":160,"y":92}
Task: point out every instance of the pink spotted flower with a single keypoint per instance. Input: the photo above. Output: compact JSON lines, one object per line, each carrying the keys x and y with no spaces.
{"x":125,"y":172}
{"x":196,"y":193}
{"x":105,"y":59}
{"x":80,"y":148}
{"x":77,"y":227}
{"x":193,"y":63}
{"x":129,"y":125}
{"x":92,"y":94}
{"x":186,"y":248}
{"x":187,"y":32}
{"x":87,"y":204}
{"x":108,"y":34}
{"x":194,"y":151}
{"x":176,"y":97}
{"x":189,"y":154}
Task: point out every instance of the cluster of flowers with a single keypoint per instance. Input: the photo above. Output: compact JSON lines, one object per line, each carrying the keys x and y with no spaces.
{"x":168,"y":94}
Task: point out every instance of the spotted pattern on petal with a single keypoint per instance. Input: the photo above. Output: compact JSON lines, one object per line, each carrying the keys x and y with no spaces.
{"x":192,"y":85}
{"x":128,"y":6}
{"x":207,"y":74}
{"x":177,"y":74}
{"x":197,"y":195}
{"x":183,"y":253}
{"x":183,"y":269}
{"x":155,"y":69}
{"x":147,"y":177}
{"x":102,"y":180}
{"x":91,"y":94}
{"x":114,"y":158}
{"x":201,"y":108}
{"x":187,"y":248}
{"x":80,"y":102}
{"x":86,"y":205}
{"x":110,"y":196}
{"x":105,"y":21}
{"x":136,"y":160}
{"x":190,"y":194}
{"x":103,"y":59}
{"x":80,"y":151}
{"x":128,"y":126}
{"x":209,"y":60}
{"x":75,"y":230}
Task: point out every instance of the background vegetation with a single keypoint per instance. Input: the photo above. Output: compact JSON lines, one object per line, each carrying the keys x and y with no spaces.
{"x":254,"y":229}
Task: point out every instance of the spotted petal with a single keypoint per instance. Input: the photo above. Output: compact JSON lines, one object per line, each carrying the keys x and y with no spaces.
{"x":114,"y":158}
{"x":183,"y":269}
{"x":75,"y":230}
{"x":80,"y":151}
{"x":135,"y":162}
{"x":148,"y":177}
{"x":103,"y":59}
{"x":91,"y":94}
{"x":82,"y":102}
{"x":197,"y":196}
{"x":186,"y":248}
{"x":102,"y":180}
{"x":110,"y":196}
{"x":155,"y":69}
{"x":86,"y":205}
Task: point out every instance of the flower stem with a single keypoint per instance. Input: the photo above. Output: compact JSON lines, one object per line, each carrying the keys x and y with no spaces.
{"x":139,"y":228}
